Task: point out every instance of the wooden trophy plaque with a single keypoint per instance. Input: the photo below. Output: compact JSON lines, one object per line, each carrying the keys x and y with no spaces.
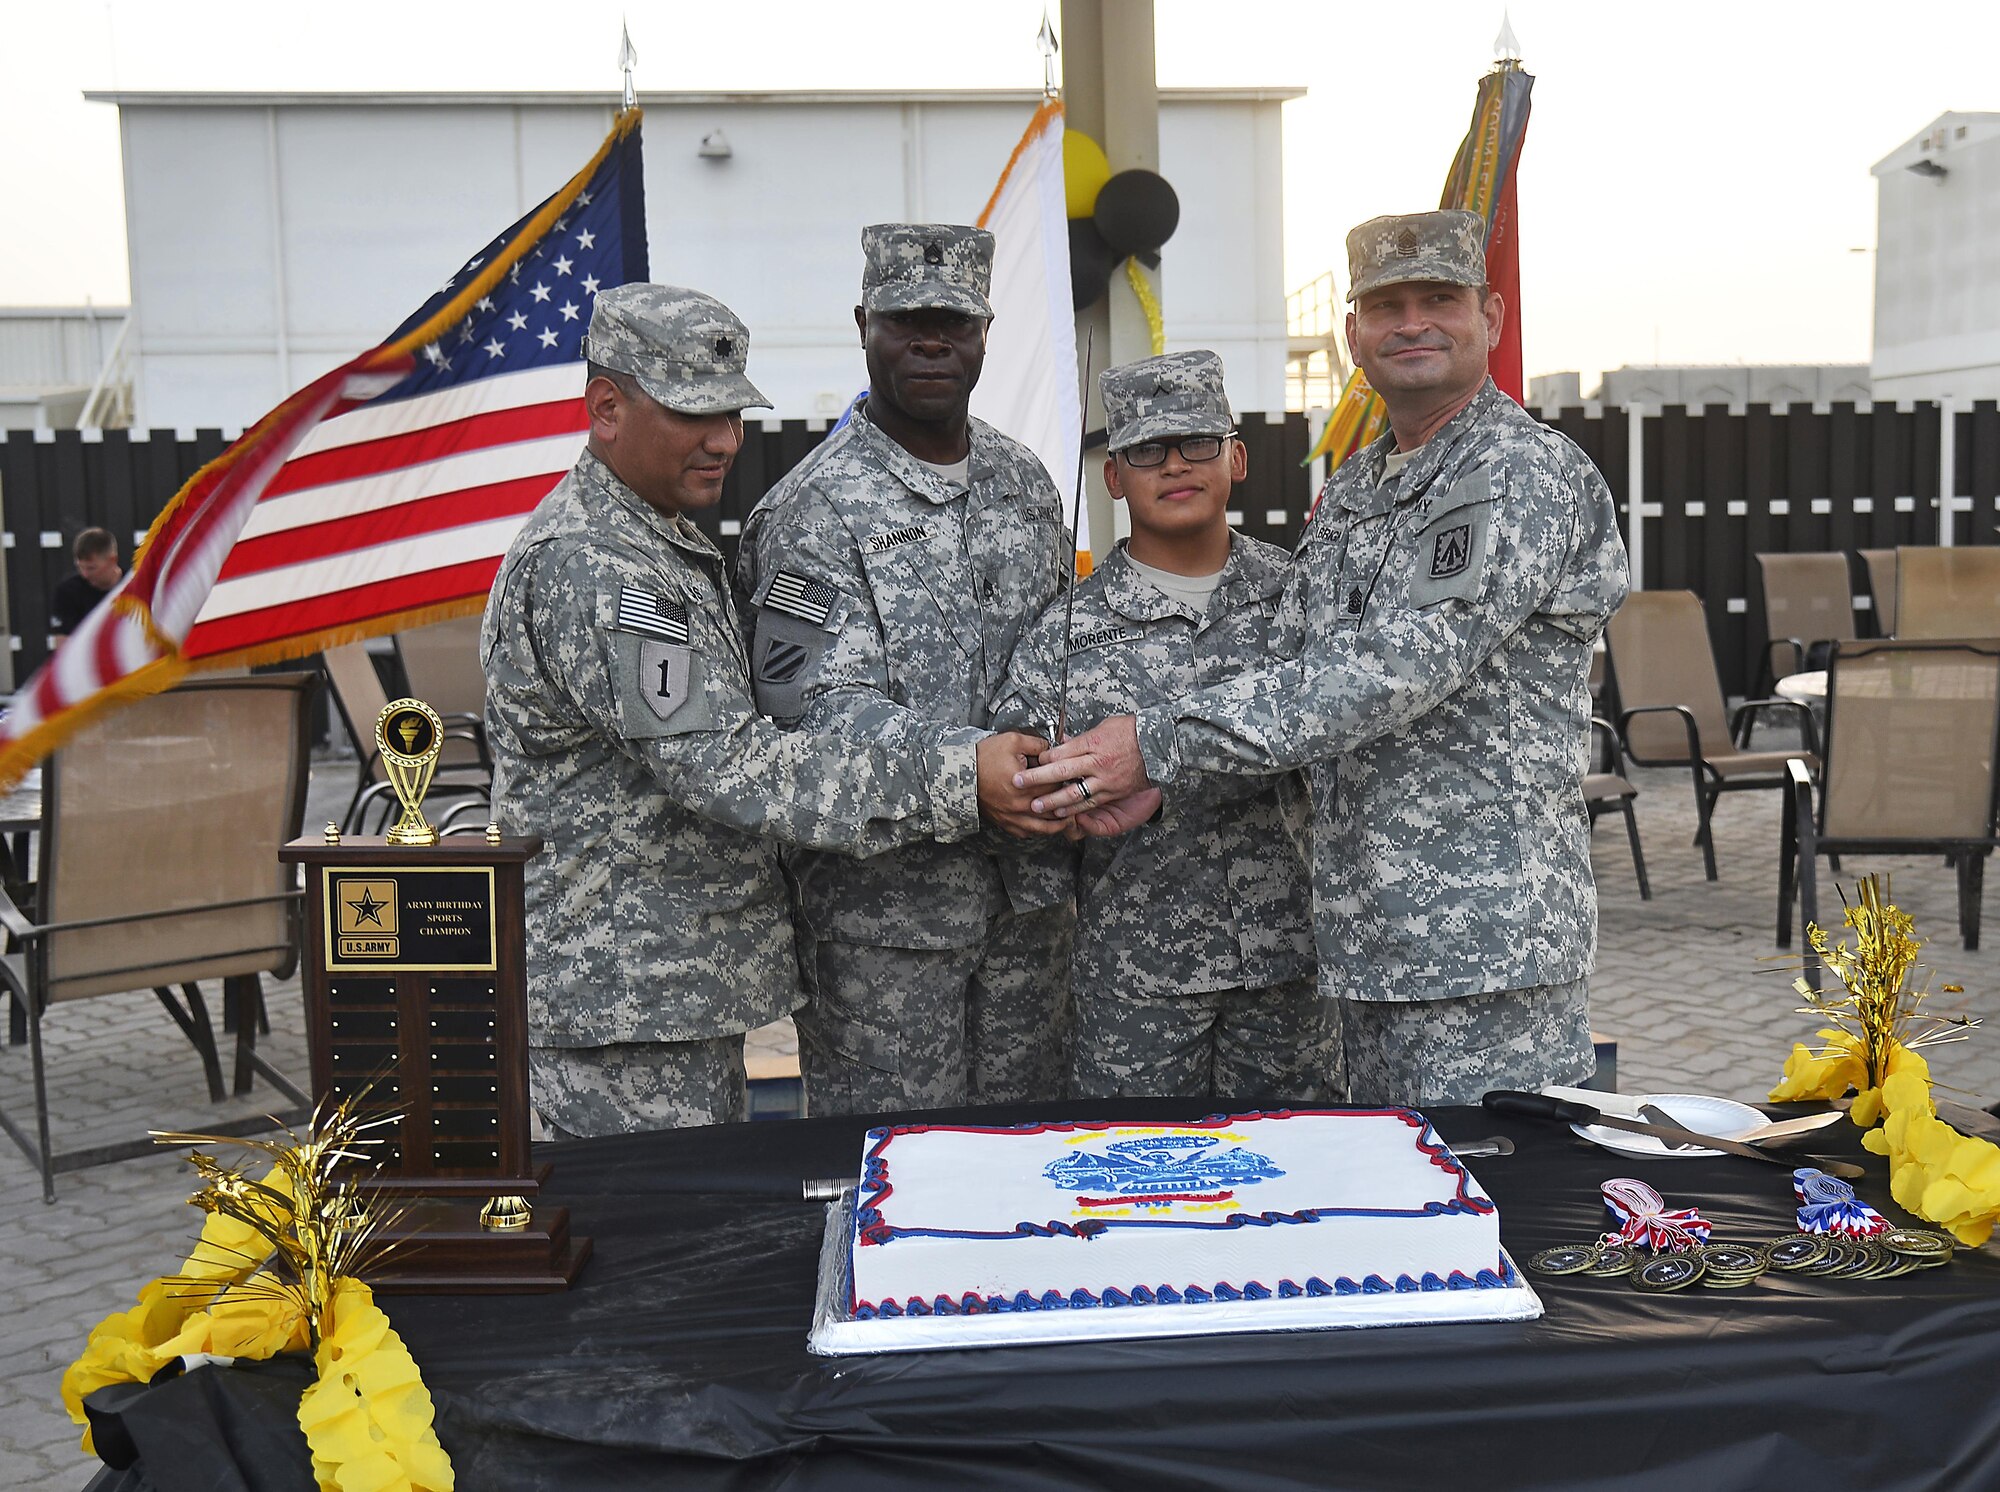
{"x":416,"y":1005}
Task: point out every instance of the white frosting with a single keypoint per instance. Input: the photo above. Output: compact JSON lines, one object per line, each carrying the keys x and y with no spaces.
{"x":1349,"y":1203}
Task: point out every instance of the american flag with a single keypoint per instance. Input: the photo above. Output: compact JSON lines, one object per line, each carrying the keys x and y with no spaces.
{"x":382,"y":495}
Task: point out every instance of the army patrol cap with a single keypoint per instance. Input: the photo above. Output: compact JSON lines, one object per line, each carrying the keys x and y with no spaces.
{"x":927,"y":266}
{"x":1448,"y":247}
{"x":1159,"y":398}
{"x":685,"y":349}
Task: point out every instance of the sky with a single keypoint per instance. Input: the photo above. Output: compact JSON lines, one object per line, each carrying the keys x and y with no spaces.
{"x":1695,"y":185}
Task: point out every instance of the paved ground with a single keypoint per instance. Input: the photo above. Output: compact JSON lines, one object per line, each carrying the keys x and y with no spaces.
{"x":1681,"y":985}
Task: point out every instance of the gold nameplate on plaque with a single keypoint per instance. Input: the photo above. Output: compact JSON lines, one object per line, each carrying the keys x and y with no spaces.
{"x":409,"y":917}
{"x":409,"y":736}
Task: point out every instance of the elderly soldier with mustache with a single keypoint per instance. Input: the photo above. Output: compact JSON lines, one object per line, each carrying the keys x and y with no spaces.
{"x":892,"y":572}
{"x":1434,"y":647}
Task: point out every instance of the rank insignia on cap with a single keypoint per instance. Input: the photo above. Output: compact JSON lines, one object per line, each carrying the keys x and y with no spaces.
{"x":724,"y":346}
{"x":1406,"y":244}
{"x":654,"y":616}
{"x":934,"y":252}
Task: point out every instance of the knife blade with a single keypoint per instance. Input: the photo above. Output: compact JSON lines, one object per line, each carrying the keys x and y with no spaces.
{"x":1785,"y":1129}
{"x":1541,"y":1106}
{"x":1654,"y":1114}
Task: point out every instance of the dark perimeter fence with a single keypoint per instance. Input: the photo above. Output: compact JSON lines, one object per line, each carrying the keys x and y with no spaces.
{"x":1714,"y":488}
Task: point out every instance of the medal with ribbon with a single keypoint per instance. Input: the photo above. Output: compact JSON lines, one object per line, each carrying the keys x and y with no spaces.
{"x":1644,"y":1220}
{"x":1828,"y":1205}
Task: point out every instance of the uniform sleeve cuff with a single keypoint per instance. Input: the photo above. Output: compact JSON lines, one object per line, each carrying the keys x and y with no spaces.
{"x":954,"y":782}
{"x":1156,"y":746}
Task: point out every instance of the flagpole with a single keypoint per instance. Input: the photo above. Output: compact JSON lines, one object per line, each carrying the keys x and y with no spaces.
{"x":627,"y":60}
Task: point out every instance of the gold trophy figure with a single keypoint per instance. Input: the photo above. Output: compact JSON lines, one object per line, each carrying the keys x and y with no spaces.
{"x":409,"y":736}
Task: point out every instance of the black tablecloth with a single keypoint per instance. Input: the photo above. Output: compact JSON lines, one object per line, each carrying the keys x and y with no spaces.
{"x":680,"y":1360}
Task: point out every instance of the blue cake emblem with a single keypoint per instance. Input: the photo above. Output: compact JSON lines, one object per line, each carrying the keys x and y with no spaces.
{"x":1159,"y":1166}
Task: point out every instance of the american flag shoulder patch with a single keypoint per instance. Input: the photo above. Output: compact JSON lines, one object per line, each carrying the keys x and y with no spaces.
{"x":651,"y":615}
{"x":801,"y":596}
{"x":896,"y":538}
{"x":1098,"y":637}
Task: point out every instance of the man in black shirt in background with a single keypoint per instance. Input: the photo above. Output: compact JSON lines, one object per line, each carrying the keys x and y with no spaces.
{"x":97,"y":571}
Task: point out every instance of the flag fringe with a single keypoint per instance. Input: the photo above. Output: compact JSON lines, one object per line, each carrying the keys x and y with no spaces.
{"x":1051,"y":109}
{"x":288,"y":649}
{"x":18,"y":757}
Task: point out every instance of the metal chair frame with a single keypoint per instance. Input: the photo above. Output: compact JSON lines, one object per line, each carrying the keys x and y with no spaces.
{"x":25,"y":976}
{"x":1603,"y":791}
{"x":1801,"y":842}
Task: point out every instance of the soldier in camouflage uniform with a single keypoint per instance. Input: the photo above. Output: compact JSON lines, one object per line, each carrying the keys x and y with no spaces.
{"x":1193,"y":975}
{"x":892,"y":572}
{"x":1436,"y":636}
{"x":623,"y":732}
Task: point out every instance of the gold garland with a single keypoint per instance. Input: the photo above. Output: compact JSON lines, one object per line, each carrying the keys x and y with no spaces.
{"x":1876,"y":1023}
{"x":275,"y":1271}
{"x":1156,"y":328}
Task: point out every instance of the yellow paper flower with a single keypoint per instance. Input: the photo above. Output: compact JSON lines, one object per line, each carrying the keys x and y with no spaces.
{"x":1828,"y":1074}
{"x":1937,"y":1173}
{"x":368,"y":1418}
{"x":131,"y":1346}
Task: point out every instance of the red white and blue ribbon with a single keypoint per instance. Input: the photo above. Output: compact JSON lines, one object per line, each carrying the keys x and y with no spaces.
{"x":1828,"y":1205}
{"x":1645,"y":1222}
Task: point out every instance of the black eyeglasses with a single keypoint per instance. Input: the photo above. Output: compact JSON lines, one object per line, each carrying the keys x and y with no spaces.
{"x":1192,"y":448}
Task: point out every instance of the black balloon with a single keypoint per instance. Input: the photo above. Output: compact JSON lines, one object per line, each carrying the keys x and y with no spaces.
{"x":1136,"y":211}
{"x":1091,"y":261}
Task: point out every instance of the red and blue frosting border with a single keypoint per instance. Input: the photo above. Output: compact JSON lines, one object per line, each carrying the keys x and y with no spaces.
{"x":872,"y":1229}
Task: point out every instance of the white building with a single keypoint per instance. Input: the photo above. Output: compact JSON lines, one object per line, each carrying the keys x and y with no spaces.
{"x":1700,"y":384}
{"x":55,"y":359}
{"x":1937,"y":262}
{"x":273,"y":236}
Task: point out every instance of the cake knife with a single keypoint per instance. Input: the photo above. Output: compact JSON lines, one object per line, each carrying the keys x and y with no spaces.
{"x":1541,"y":1106}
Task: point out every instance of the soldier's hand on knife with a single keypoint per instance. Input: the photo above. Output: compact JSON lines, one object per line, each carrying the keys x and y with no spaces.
{"x":1089,"y":772}
{"x":1001,"y":758}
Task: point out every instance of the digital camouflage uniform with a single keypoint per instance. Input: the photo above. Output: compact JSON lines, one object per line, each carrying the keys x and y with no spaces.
{"x":1193,"y":975}
{"x":888,"y":601}
{"x":1437,"y":634}
{"x":623,"y":732}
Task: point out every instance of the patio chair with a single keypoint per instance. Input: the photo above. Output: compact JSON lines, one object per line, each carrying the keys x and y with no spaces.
{"x":360,"y":698}
{"x":1913,"y":736}
{"x":1947,"y":593}
{"x":160,"y":829}
{"x":1605,"y":790}
{"x":1881,"y":565}
{"x":1808,"y":606}
{"x":1673,"y":713}
{"x":442,"y":664}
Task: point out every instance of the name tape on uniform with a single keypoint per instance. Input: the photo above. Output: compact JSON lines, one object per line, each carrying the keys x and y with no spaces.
{"x":801,"y":596}
{"x":1097,"y":637}
{"x":896,"y":538}
{"x":654,"y":616}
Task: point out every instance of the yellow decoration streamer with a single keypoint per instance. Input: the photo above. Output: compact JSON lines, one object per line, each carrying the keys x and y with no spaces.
{"x":368,"y":1419}
{"x":275,"y":1271}
{"x":1935,"y":1172}
{"x":1149,"y":303}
